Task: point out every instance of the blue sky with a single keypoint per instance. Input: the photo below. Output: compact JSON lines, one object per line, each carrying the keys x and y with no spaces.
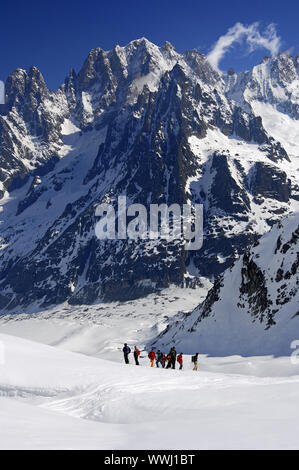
{"x":57,"y":35}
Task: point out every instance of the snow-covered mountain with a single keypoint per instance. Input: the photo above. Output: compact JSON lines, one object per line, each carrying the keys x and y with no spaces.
{"x":159,"y":127}
{"x":274,"y":81}
{"x":253,"y":308}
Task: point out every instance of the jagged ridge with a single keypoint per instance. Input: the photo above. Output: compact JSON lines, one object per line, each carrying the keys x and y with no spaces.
{"x":143,"y":121}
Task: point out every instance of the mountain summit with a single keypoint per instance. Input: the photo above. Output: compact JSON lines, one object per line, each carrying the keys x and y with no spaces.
{"x":159,"y":127}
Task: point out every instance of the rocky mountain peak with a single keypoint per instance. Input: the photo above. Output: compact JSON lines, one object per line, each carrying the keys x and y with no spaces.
{"x":283,"y":68}
{"x":159,"y":127}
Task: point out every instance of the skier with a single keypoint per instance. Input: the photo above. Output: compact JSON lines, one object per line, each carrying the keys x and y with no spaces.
{"x":195,"y":361}
{"x":164,"y":358}
{"x":126,"y":351}
{"x":159,"y":359}
{"x":173,"y":354}
{"x":152,"y":356}
{"x":180,"y":360}
{"x":136,"y":355}
{"x":168,"y":359}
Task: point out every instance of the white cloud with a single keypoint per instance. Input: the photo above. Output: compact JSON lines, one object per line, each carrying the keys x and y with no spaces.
{"x":239,"y":32}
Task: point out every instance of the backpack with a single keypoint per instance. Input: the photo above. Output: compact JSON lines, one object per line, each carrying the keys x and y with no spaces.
{"x":173,"y":354}
{"x":193,"y":358}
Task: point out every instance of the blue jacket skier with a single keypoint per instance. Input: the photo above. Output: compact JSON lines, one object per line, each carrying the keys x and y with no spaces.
{"x":126,"y":351}
{"x":159,"y":359}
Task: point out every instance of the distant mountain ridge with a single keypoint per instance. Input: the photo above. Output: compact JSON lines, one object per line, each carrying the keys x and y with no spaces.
{"x":159,"y":127}
{"x":253,"y":308}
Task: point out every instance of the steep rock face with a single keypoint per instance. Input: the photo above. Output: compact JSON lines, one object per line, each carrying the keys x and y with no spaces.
{"x":270,"y":182}
{"x":140,"y":121}
{"x":226,"y":194}
{"x":271,"y":90}
{"x":253,"y":306}
{"x":30,"y":125}
{"x":274,"y":81}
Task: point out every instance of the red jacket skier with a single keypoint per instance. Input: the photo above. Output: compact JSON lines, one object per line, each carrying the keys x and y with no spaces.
{"x":180,"y":360}
{"x":136,"y":355}
{"x":152,"y":356}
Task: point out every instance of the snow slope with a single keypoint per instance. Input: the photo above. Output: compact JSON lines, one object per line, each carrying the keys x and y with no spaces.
{"x":247,"y":155}
{"x":54,"y":399}
{"x":101,"y":329}
{"x":253,"y":309}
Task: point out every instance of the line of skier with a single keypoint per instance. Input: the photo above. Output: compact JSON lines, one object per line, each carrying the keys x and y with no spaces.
{"x":166,"y":361}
